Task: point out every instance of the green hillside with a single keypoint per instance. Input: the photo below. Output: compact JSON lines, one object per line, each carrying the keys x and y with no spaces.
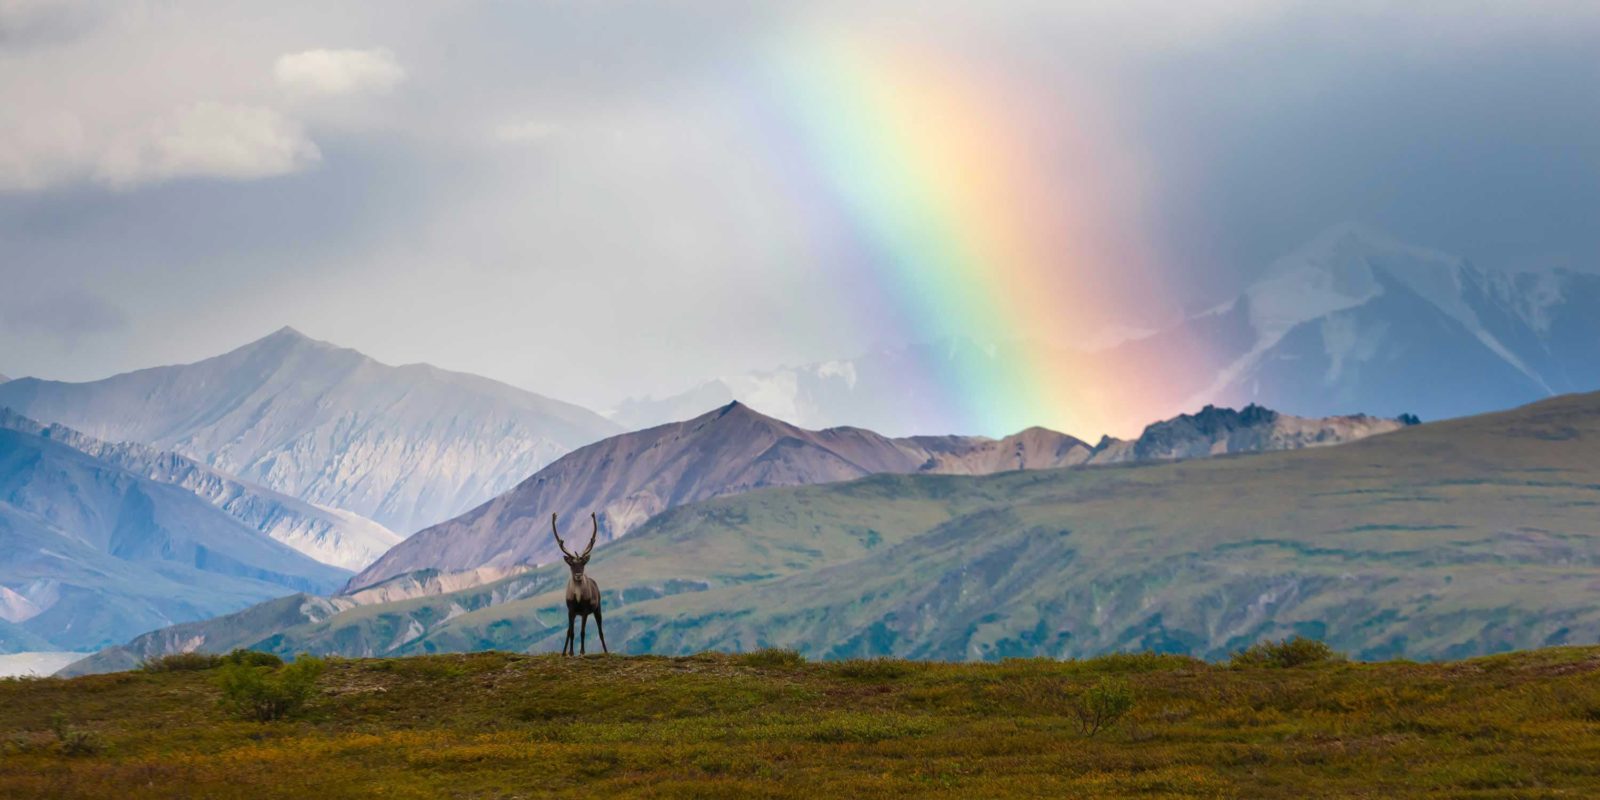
{"x":762,"y":725}
{"x":1445,"y":540}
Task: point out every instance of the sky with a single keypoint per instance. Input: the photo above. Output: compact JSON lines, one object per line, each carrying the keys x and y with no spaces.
{"x":602,"y":200}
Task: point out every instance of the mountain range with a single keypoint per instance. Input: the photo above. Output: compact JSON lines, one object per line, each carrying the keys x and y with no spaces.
{"x":91,"y":552}
{"x":330,"y":536}
{"x":630,"y":478}
{"x":1448,"y":539}
{"x":405,"y":446}
{"x":1352,"y":320}
{"x":734,"y":448}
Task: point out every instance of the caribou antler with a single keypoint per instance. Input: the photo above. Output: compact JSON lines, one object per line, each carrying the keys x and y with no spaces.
{"x":596,"y":521}
{"x":559,"y":543}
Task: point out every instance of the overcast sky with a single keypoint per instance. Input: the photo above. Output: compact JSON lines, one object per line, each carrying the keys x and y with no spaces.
{"x":578,"y":197}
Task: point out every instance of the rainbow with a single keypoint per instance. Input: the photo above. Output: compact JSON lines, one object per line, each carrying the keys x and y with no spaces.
{"x":968,"y":237}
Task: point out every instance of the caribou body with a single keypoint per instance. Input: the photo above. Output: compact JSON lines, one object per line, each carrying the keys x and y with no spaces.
{"x":583,"y":594}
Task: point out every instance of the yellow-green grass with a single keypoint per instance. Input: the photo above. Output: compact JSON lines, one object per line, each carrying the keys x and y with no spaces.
{"x":768,"y":725}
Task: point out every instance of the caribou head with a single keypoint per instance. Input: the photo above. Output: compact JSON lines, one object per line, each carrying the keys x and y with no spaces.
{"x":576,"y":562}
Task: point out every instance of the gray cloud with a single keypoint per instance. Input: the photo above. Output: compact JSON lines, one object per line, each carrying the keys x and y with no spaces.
{"x":61,"y":318}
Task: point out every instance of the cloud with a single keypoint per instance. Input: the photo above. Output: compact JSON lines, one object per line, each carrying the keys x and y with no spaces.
{"x":523,"y":132}
{"x":64,"y":316}
{"x":28,"y":23}
{"x":338,"y":72}
{"x":215,"y":140}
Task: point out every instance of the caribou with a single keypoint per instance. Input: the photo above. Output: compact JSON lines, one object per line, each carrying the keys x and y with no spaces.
{"x":583,"y":594}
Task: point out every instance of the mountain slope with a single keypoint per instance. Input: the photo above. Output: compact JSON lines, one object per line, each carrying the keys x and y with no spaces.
{"x":1460,"y":537}
{"x":333,"y":537}
{"x":629,"y":478}
{"x":405,"y":446}
{"x":91,"y":553}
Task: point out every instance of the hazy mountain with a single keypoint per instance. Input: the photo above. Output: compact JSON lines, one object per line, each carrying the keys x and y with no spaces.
{"x":1350,"y":321}
{"x":1442,"y":540}
{"x":629,"y":478}
{"x":331,"y":536}
{"x":887,"y":391}
{"x":3,"y":379}
{"x":406,"y":446}
{"x":1356,"y":320}
{"x":91,"y":553}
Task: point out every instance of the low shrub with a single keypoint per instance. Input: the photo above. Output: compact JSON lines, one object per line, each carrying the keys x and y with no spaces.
{"x":1103,"y":705}
{"x":872,"y":669}
{"x":182,"y":662}
{"x":194,"y":662}
{"x":1292,"y":652}
{"x":73,"y":741}
{"x":252,"y":658}
{"x":1140,"y":662}
{"x":771,"y":657}
{"x":265,"y":694}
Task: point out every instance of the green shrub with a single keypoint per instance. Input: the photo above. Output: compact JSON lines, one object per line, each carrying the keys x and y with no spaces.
{"x":182,"y":662}
{"x":73,"y":741}
{"x":187,"y":662}
{"x":264,"y":693}
{"x":1103,"y":705}
{"x":1140,"y":662}
{"x":872,"y":669}
{"x":1292,"y":652}
{"x":252,"y":658}
{"x":771,"y":657}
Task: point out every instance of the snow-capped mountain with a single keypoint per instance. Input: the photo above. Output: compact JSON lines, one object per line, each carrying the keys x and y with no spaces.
{"x":405,"y":446}
{"x":1351,"y":321}
{"x":91,"y":553}
{"x":331,"y":536}
{"x":1357,"y":320}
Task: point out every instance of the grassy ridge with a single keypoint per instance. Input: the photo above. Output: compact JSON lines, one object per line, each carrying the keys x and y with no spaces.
{"x":501,"y":725}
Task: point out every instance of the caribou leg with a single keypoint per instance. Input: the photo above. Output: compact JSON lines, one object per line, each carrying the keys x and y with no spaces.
{"x":602,"y":629}
{"x":566,"y":647}
{"x":583,"y":636}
